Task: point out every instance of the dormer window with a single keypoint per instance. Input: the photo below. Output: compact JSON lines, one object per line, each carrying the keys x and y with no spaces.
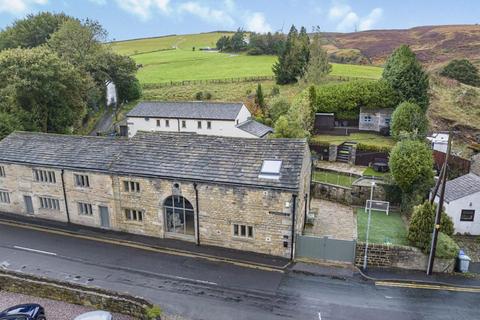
{"x":270,"y":169}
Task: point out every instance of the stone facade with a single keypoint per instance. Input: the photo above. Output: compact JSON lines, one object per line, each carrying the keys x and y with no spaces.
{"x":374,"y":120}
{"x":220,"y":206}
{"x":399,"y":257}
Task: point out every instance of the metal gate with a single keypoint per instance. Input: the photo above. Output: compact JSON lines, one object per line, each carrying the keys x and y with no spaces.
{"x":325,"y":248}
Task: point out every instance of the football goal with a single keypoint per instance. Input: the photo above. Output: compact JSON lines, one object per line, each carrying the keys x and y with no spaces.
{"x":377,"y":205}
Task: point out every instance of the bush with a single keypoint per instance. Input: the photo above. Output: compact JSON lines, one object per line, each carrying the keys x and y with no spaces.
{"x":373,"y":148}
{"x":154,"y":313}
{"x":421,"y":225}
{"x":199,"y":95}
{"x":278,"y":107}
{"x":447,"y":248}
{"x":463,"y":71}
{"x":409,"y":119}
{"x":275,"y":91}
{"x":207,"y":95}
{"x":203,"y":95}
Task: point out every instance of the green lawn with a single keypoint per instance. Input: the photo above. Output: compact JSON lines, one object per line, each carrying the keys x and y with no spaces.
{"x":360,"y":137}
{"x":185,"y":64}
{"x":334,"y":178}
{"x":372,"y":173}
{"x":383,"y":228}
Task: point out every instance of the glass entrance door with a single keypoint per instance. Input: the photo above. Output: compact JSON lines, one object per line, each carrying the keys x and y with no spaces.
{"x":179,"y":216}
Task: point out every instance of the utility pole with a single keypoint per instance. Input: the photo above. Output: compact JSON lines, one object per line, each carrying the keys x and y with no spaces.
{"x":368,"y":227}
{"x":438,"y":213}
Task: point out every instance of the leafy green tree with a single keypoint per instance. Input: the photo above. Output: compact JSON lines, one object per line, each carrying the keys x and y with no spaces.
{"x":285,"y":127}
{"x":8,"y":124}
{"x":278,"y":107}
{"x":422,"y":222}
{"x":463,"y":71}
{"x":318,"y":66}
{"x":32,"y":31}
{"x":302,"y":112}
{"x":259,"y":98}
{"x":405,"y":74}
{"x":409,"y":119}
{"x":41,"y":90}
{"x":223,"y":44}
{"x":411,"y":165}
{"x":292,"y":61}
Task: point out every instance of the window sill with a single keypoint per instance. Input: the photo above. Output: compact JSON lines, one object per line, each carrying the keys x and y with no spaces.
{"x":237,"y":238}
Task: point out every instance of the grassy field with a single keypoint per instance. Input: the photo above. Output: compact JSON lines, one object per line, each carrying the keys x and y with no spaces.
{"x":339,"y":179}
{"x":360,"y":137}
{"x":183,"y":63}
{"x":383,"y":228}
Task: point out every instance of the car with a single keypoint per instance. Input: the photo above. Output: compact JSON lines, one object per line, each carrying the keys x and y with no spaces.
{"x":31,"y":311}
{"x":95,"y":315}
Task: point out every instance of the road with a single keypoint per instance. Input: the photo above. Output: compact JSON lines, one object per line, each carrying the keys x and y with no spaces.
{"x":201,"y":289}
{"x":105,"y":122}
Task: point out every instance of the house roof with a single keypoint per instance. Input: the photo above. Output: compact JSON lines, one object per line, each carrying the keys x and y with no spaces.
{"x":187,"y":110}
{"x":461,"y":187}
{"x":256,"y":128}
{"x":181,"y":156}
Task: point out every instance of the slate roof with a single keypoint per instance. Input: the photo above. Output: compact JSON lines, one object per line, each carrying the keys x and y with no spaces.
{"x":461,"y":187}
{"x":187,"y":110}
{"x":182,"y":156}
{"x":256,"y":128}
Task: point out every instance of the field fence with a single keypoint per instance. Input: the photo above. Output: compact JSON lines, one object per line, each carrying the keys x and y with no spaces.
{"x":205,"y":81}
{"x":336,"y":178}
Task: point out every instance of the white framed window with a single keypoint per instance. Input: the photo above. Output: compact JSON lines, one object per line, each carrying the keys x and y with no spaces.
{"x":167,"y":123}
{"x":133,"y":215}
{"x":4,"y":197}
{"x":209,"y":125}
{"x":242,"y":231}
{"x":2,"y":171}
{"x":467,"y":215}
{"x":184,"y":124}
{"x":49,"y":203}
{"x":199,"y":124}
{"x":44,"y":176}
{"x":158,"y":122}
{"x":85,"y":209}
{"x":81,"y":181}
{"x":367,"y":118}
{"x":131,"y":186}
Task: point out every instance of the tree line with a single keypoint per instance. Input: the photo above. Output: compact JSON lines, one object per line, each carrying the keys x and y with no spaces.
{"x":53,"y":73}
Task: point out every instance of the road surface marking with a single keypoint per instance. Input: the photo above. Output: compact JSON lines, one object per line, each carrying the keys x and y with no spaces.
{"x":319,"y":316}
{"x":35,"y":250}
{"x":195,"y":280}
{"x":425,"y":286}
{"x":136,"y":245}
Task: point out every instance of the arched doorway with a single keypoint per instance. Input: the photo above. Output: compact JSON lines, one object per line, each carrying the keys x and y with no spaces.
{"x":179,"y":216}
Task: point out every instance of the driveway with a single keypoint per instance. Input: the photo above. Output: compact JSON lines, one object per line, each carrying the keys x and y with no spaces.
{"x":54,"y":310}
{"x":334,"y":220}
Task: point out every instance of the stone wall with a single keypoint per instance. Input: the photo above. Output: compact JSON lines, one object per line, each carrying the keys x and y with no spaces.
{"x":403,"y":257}
{"x":332,"y":152}
{"x":74,"y":293}
{"x":332,"y":192}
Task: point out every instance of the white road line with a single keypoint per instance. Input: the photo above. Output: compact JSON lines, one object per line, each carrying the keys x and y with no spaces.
{"x":319,"y":316}
{"x":36,"y":251}
{"x":195,"y":280}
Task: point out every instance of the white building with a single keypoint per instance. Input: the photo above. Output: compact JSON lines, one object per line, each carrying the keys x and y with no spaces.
{"x":374,"y":119}
{"x":462,"y":203}
{"x":209,"y":118}
{"x":439,"y":141}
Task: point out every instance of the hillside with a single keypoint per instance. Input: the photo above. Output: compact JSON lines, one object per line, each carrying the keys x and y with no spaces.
{"x":432,"y":44}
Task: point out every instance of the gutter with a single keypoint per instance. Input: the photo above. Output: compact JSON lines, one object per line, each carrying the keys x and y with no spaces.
{"x":65,"y":195}
{"x":197,"y":215}
{"x":294,"y":205}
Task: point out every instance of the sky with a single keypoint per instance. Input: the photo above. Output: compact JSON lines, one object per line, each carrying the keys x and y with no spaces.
{"x":128,"y":19}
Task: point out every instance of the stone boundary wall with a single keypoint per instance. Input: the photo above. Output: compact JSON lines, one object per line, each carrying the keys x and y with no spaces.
{"x":404,"y":257}
{"x":74,"y":293}
{"x":332,"y":192}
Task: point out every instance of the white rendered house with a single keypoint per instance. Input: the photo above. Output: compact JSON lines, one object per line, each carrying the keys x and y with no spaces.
{"x":208,"y":118}
{"x":462,"y":203}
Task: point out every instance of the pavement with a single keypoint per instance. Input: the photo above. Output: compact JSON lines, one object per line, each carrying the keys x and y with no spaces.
{"x":54,"y":310}
{"x":197,"y":288}
{"x":249,"y":259}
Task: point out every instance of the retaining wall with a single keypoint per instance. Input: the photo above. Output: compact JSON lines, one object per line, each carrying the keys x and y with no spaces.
{"x":73,"y":293}
{"x":403,"y":257}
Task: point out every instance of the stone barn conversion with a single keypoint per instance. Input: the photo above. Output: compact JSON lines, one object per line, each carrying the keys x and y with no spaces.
{"x":239,"y":193}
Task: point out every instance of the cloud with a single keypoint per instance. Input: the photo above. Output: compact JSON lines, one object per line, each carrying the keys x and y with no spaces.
{"x":144,"y":8}
{"x":216,"y":16}
{"x":369,"y":21}
{"x":99,"y":2}
{"x":19,"y":6}
{"x":349,"y":20}
{"x":256,"y":22}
